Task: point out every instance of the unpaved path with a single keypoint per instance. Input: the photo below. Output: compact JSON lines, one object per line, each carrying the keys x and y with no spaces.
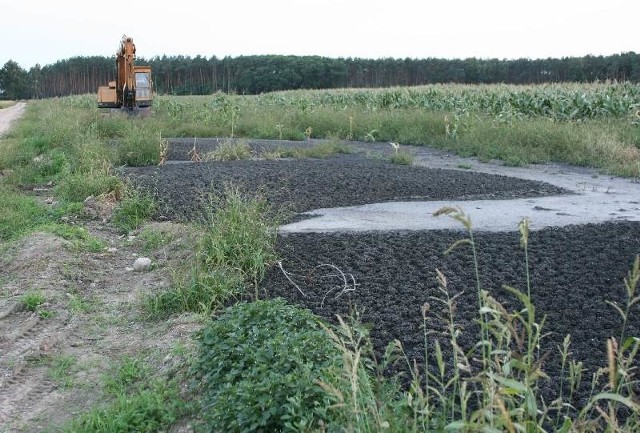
{"x":9,"y":115}
{"x":53,"y":360}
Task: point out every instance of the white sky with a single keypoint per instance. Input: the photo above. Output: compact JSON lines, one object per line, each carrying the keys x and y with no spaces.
{"x":33,"y":31}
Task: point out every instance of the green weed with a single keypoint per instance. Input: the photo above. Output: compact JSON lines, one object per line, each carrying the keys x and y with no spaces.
{"x":79,"y":237}
{"x":134,"y":209}
{"x":20,"y":214}
{"x":402,"y":158}
{"x":77,"y":187}
{"x":322,"y":150}
{"x":152,"y":239}
{"x":245,"y":381}
{"x":32,"y":300}
{"x":133,"y":402}
{"x":61,"y":369}
{"x":236,"y":247}
{"x":494,"y":386}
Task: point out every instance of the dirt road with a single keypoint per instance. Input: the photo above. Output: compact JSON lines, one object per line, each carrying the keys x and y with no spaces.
{"x":9,"y":115}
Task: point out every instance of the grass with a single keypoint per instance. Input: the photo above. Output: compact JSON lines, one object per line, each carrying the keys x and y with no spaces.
{"x":6,"y":104}
{"x":32,"y":300}
{"x":468,"y":120}
{"x":401,"y":158}
{"x":69,"y":143}
{"x":237,"y":244}
{"x":134,"y":209}
{"x":321,"y":150}
{"x":152,"y":239}
{"x":230,"y":150}
{"x":21,"y":214}
{"x":133,"y":403}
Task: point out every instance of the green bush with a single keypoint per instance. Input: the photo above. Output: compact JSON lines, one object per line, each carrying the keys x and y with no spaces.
{"x":258,"y":367}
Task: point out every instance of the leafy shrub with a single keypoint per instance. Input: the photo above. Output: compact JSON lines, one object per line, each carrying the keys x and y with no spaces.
{"x":257,"y":369}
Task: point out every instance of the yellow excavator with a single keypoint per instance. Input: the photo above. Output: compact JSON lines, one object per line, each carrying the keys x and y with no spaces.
{"x":133,"y":88}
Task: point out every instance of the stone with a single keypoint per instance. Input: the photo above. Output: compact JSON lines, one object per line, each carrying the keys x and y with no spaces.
{"x":142,"y":264}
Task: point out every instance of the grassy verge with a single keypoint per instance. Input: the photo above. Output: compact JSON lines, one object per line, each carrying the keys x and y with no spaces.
{"x":71,"y":147}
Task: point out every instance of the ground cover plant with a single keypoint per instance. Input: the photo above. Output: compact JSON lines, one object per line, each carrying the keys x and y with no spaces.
{"x":466,"y":349}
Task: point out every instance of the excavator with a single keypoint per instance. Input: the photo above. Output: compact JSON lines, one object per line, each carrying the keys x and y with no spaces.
{"x":132,"y":89}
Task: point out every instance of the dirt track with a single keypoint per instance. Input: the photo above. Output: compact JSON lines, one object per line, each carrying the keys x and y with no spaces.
{"x":9,"y":115}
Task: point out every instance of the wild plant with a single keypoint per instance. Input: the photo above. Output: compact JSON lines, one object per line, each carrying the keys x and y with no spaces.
{"x":230,"y":150}
{"x":501,"y":390}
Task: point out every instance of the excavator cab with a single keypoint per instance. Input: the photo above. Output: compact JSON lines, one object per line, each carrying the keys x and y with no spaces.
{"x":144,"y":90}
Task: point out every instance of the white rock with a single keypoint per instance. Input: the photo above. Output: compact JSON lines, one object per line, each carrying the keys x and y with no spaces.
{"x":142,"y":264}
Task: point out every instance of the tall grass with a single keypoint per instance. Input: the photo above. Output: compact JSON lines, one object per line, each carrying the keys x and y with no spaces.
{"x":590,"y":124}
{"x":493,"y":386}
{"x":69,"y":144}
{"x":236,"y":246}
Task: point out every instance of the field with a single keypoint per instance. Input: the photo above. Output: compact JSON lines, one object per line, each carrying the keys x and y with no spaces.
{"x":91,"y":345}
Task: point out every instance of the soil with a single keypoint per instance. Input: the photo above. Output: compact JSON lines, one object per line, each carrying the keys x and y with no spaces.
{"x":91,"y":318}
{"x":9,"y":115}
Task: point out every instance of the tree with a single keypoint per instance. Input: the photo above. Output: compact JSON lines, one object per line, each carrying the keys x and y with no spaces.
{"x":14,"y":81}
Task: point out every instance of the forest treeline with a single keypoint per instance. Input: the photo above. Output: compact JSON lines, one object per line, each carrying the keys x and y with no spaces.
{"x":259,"y":74}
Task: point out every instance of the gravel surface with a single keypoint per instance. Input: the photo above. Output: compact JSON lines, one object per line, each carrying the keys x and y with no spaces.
{"x":574,"y":269}
{"x":300,"y":185}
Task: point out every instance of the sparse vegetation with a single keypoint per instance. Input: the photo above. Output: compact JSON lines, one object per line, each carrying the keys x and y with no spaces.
{"x":134,"y":208}
{"x":136,"y":403}
{"x":230,"y":151}
{"x":32,"y":300}
{"x":402,"y":158}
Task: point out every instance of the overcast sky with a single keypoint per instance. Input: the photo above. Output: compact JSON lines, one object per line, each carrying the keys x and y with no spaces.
{"x":46,"y":31}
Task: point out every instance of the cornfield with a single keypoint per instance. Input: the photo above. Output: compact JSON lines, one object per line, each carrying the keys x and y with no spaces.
{"x":555,"y":101}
